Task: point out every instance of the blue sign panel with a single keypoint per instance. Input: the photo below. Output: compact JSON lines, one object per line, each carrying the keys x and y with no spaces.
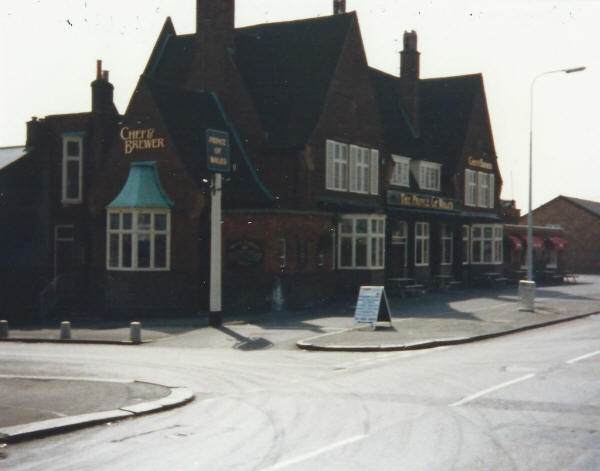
{"x":217,"y":151}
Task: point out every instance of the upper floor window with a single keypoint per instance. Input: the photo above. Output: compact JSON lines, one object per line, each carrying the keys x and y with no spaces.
{"x":72,"y":168}
{"x":401,"y":171}
{"x":352,"y":168}
{"x":428,"y":175}
{"x":479,"y":189}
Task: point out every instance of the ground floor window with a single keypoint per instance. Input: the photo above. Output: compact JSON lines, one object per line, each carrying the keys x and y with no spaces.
{"x":465,"y":244}
{"x":361,"y":242}
{"x":486,"y":244}
{"x":447,"y":245}
{"x":421,"y":243}
{"x":138,"y":239}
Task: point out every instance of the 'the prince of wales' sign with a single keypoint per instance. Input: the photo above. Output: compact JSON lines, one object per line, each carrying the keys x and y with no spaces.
{"x":217,"y":151}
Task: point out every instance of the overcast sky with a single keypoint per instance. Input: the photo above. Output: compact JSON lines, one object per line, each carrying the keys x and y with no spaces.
{"x":48,"y":50}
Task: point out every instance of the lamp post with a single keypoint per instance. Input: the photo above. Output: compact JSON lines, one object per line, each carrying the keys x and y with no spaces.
{"x":530,"y":214}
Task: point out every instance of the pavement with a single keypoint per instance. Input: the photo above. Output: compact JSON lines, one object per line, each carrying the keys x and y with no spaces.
{"x":435,"y":319}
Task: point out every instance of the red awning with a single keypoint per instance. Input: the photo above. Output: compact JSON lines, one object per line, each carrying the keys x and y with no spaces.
{"x":538,"y":243}
{"x":558,"y":243}
{"x":516,"y":242}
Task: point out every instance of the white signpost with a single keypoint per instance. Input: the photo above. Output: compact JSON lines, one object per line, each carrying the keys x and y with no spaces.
{"x":370,"y":309}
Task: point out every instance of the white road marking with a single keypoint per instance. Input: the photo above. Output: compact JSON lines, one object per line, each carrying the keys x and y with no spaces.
{"x":493,"y":388}
{"x":583,"y":357}
{"x":312,"y":454}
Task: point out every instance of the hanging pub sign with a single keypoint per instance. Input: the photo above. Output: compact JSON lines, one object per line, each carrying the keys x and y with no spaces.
{"x":217,"y":151}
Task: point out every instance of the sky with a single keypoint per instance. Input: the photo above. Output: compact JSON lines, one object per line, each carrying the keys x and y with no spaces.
{"x":48,"y":52}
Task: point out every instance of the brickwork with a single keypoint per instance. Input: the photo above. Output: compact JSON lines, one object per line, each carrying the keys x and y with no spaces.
{"x":582,"y":230}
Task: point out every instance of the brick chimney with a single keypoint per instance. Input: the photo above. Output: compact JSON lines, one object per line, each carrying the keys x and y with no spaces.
{"x":102,"y":92}
{"x":339,"y":7}
{"x":215,"y":14}
{"x":409,"y":79}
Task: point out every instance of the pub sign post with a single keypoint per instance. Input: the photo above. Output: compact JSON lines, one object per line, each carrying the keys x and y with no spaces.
{"x":218,"y":161}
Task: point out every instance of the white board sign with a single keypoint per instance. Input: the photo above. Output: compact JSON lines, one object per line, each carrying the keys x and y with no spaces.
{"x":369,"y":308}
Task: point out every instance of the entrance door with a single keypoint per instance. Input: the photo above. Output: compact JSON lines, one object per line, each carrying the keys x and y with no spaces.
{"x":64,"y":255}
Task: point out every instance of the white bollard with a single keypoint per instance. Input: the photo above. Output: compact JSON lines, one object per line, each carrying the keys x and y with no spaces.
{"x":65,"y":330}
{"x":135,"y":332}
{"x":527,"y":295}
{"x":3,"y":329}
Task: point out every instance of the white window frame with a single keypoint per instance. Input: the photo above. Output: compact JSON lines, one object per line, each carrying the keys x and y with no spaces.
{"x":135,"y":232}
{"x":423,"y":237}
{"x":66,"y":160}
{"x":470,"y":187}
{"x":483,"y":189}
{"x":429,"y":175}
{"x":374,"y":235}
{"x":466,"y":246}
{"x":351,"y":168}
{"x":447,"y":241}
{"x":337,"y":166}
{"x":494,"y":241}
{"x":401,"y":171}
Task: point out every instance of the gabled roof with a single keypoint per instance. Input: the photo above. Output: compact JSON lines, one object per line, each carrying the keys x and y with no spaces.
{"x":187,"y":114}
{"x":287,"y":68}
{"x":445,"y":110}
{"x":400,"y":137}
{"x":590,"y":206}
{"x":8,"y":155}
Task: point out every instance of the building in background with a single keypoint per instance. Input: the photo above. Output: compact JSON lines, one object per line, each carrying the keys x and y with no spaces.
{"x":580,"y":220}
{"x":339,"y":175}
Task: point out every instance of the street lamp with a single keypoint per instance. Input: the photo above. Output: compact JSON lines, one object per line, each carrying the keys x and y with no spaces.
{"x":530,"y":214}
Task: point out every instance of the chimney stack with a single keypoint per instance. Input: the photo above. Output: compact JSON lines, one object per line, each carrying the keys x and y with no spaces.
{"x":215,"y":14}
{"x":339,"y":7}
{"x":409,"y":79}
{"x":102,"y":92}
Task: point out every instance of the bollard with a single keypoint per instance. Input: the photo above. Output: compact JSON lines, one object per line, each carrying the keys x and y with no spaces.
{"x":65,"y":330}
{"x":3,"y":329}
{"x":135,"y":332}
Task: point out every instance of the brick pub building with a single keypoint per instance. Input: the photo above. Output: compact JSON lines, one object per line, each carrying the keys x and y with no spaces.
{"x":341,"y":175}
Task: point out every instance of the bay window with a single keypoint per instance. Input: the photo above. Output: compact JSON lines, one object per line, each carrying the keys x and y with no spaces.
{"x":138,"y":239}
{"x":361,"y":242}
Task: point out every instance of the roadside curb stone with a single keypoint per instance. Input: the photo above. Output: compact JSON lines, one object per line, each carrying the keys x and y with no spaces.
{"x":178,"y":396}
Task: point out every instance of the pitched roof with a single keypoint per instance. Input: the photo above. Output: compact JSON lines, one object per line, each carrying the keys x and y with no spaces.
{"x":187,"y":114}
{"x":400,"y":138}
{"x":591,"y":206}
{"x":10,"y":154}
{"x":445,"y":109}
{"x":287,"y":68}
{"x":142,"y":189}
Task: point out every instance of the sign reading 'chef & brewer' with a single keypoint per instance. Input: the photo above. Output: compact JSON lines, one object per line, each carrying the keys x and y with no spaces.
{"x":140,"y":139}
{"x":413,"y":200}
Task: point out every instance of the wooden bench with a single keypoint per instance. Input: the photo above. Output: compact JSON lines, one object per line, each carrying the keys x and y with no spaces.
{"x":416,"y":289}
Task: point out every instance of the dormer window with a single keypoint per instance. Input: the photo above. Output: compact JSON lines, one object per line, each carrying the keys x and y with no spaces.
{"x":428,"y":174}
{"x":72,"y":168}
{"x":401,"y":171}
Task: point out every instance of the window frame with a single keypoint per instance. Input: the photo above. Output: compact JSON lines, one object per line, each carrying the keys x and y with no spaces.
{"x":337,"y":166}
{"x":466,"y":244}
{"x":400,"y":171}
{"x":428,"y":175}
{"x":424,"y":251}
{"x":373,"y":236}
{"x":447,"y":237}
{"x":135,"y":232}
{"x":470,"y":187}
{"x":66,"y":160}
{"x":495,"y":241}
{"x":351,"y":168}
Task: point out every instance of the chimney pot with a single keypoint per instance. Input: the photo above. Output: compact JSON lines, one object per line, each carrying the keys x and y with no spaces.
{"x":98,"y":69}
{"x":105,"y":75}
{"x":339,"y":7}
